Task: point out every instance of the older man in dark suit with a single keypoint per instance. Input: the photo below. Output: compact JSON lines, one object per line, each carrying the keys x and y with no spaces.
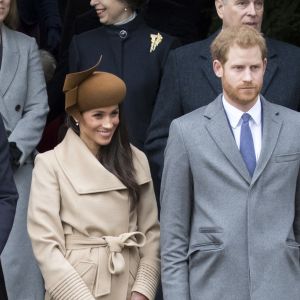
{"x":8,"y":199}
{"x":189,"y":81}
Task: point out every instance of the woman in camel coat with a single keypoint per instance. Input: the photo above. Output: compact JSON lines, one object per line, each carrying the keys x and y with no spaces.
{"x":94,"y":234}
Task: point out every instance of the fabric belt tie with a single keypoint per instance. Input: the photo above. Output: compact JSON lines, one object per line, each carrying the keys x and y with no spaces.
{"x":111,"y":264}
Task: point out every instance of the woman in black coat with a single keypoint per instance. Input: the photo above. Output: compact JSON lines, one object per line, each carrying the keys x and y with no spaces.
{"x":131,"y":50}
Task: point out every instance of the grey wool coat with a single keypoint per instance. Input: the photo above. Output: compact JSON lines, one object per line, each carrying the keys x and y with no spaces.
{"x":225,"y":235}
{"x":24,"y":108}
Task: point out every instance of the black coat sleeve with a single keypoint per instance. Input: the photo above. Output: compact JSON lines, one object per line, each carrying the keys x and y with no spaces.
{"x":166,"y":109}
{"x":8,"y":191}
{"x":49,"y":13}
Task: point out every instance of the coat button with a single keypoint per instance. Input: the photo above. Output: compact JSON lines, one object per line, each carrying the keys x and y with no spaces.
{"x":123,"y":34}
{"x":18,"y":107}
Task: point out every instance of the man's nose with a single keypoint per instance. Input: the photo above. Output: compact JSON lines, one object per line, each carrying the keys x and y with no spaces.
{"x":247,"y":76}
{"x":251,"y":10}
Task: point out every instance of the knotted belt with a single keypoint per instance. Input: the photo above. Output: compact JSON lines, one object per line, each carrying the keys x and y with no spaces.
{"x":113,"y":263}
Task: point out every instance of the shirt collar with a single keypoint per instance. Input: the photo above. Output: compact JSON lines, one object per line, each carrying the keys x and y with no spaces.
{"x":127,"y":20}
{"x":234,"y":115}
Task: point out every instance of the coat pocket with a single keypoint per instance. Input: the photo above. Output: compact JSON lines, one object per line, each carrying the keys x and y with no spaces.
{"x":207,"y":239}
{"x":287,"y":157}
{"x":87,"y":271}
{"x":293,"y":252}
{"x":292,"y":243}
{"x":206,"y":250}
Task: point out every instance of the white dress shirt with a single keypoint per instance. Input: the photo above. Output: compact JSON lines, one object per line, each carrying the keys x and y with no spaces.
{"x":234,"y":116}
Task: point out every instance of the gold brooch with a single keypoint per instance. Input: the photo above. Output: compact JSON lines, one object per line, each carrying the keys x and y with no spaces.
{"x":155,"y":41}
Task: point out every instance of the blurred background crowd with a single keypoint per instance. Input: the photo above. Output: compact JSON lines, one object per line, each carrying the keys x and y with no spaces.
{"x":53,"y":23}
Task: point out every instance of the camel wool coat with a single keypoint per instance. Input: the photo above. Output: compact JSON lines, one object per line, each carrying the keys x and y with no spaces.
{"x":90,"y":240}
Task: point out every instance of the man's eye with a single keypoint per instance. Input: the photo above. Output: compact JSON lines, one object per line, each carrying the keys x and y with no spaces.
{"x":243,"y":3}
{"x":254,"y":68}
{"x":259,"y":4}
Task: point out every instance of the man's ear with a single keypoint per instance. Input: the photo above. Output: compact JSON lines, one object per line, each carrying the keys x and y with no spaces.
{"x":218,"y":68}
{"x":265,"y":64}
{"x":219,"y":8}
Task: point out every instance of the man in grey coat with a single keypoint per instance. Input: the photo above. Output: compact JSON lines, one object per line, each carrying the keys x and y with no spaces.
{"x":189,"y":82}
{"x":230,"y":201}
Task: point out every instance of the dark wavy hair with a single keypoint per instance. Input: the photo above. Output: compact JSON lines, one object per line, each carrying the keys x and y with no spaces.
{"x":136,"y":4}
{"x":117,"y":156}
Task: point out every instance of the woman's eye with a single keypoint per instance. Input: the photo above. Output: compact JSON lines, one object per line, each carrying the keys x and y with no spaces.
{"x":98,"y":115}
{"x":115,"y":113}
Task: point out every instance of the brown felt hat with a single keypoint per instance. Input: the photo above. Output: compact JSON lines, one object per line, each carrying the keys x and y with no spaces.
{"x":91,"y":89}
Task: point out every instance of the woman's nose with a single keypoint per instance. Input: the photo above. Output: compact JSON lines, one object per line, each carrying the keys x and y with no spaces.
{"x":93,"y":2}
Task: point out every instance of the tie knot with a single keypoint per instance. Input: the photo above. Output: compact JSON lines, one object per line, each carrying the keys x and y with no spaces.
{"x":246,"y":117}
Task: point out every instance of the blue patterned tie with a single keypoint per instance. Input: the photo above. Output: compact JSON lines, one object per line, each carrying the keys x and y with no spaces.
{"x":246,"y":144}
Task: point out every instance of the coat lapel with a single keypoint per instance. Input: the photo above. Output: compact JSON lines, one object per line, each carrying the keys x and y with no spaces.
{"x":86,"y":174}
{"x":10,"y":60}
{"x":82,"y":168}
{"x":219,"y":130}
{"x":270,"y":133}
{"x":272,"y":66}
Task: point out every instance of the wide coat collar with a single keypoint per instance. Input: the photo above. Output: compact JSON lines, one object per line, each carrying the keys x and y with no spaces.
{"x":10,"y":59}
{"x":219,"y":130}
{"x":215,"y":82}
{"x":86,"y":174}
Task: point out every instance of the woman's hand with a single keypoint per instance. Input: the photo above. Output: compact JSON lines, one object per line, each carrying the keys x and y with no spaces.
{"x":138,"y":296}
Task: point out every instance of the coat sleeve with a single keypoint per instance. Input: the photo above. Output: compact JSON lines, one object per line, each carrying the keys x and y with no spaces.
{"x":175,"y":218}
{"x":8,"y":191}
{"x":148,"y":274}
{"x":297,"y":211}
{"x":47,"y":235}
{"x":28,"y":131}
{"x":167,"y":108}
{"x":73,"y":56}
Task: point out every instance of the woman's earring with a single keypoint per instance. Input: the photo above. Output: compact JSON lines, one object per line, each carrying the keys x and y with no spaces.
{"x":125,"y":9}
{"x":76,"y":123}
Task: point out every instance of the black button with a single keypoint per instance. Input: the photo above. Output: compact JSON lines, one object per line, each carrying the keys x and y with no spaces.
{"x":123,"y":34}
{"x":18,"y":107}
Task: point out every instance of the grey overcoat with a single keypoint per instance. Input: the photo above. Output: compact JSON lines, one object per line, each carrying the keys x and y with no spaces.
{"x":225,"y":235}
{"x":24,"y":107}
